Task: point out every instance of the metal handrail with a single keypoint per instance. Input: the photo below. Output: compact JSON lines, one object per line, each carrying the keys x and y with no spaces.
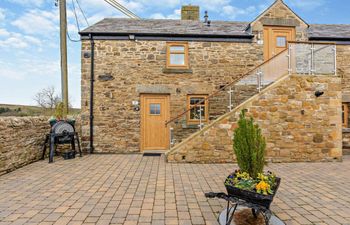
{"x":312,"y":42}
{"x":249,"y":73}
{"x":224,"y":87}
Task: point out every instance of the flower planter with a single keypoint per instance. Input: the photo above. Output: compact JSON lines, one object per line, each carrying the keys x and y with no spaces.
{"x":250,"y":196}
{"x":54,"y":121}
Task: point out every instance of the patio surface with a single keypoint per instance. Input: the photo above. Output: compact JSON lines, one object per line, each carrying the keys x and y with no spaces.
{"x":131,"y":189}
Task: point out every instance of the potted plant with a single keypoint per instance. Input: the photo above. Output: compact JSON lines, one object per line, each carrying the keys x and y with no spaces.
{"x":250,"y":183}
{"x":59,"y":115}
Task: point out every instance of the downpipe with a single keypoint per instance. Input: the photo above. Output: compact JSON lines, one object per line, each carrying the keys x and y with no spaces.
{"x":92,"y":80}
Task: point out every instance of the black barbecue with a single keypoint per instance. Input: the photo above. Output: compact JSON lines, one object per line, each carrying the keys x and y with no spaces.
{"x":62,"y":132}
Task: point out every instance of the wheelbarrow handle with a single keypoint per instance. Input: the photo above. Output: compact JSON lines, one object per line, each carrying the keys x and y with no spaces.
{"x":216,"y":195}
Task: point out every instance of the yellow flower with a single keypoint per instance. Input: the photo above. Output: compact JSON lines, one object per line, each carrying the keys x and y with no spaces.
{"x":262,"y":187}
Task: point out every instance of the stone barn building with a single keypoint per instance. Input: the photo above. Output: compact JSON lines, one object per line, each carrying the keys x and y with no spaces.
{"x":177,"y":86}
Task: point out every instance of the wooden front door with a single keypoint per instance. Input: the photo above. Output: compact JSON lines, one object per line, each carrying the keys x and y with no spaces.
{"x":276,"y":39}
{"x":154,"y":114}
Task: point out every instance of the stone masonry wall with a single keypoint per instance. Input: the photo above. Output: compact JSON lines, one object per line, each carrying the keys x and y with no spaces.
{"x":21,"y":141}
{"x":343,"y":55}
{"x":280,"y":15}
{"x":125,"y":69}
{"x":343,"y":65}
{"x":297,"y":125}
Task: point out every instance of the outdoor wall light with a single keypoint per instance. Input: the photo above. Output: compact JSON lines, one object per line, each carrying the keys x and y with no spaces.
{"x":136,"y":106}
{"x":87,"y":55}
{"x":319,"y":93}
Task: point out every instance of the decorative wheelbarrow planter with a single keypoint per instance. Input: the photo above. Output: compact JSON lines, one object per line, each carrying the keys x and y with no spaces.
{"x":235,"y":197}
{"x":249,"y":186}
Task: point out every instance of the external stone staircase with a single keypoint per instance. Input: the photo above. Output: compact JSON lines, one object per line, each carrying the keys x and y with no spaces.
{"x":285,"y":100}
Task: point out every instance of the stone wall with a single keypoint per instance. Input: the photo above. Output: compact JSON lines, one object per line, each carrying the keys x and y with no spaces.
{"x":343,"y":66}
{"x":297,"y":125}
{"x":125,"y":69}
{"x":21,"y":141}
{"x":280,"y":15}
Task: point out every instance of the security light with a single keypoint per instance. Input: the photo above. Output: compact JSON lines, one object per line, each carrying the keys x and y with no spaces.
{"x":319,"y":93}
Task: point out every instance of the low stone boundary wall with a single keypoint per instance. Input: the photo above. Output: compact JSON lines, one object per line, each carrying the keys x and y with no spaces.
{"x":21,"y":141}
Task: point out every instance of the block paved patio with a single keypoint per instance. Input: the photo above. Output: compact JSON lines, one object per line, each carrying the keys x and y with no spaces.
{"x":131,"y":189}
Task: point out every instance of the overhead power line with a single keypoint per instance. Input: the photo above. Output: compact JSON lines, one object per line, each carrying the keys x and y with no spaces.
{"x":76,"y":21}
{"x":122,"y":9}
{"x":82,"y":12}
{"x":71,"y":39}
{"x":75,"y":15}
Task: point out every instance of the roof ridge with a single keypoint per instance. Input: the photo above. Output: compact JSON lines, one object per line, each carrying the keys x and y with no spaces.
{"x":151,"y":19}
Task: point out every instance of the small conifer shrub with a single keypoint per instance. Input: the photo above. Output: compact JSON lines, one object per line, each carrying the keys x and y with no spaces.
{"x":249,"y":146}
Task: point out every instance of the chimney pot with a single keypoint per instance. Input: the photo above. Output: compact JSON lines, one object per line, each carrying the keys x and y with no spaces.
{"x":206,"y":17}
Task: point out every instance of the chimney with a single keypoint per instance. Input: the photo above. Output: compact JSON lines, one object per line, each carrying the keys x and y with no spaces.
{"x":190,"y":12}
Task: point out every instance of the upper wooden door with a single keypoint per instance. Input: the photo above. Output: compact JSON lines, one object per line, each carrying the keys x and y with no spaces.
{"x":276,"y":39}
{"x":154,"y":114}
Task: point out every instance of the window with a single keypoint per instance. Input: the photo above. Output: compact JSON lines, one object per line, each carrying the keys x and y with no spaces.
{"x":154,"y":109}
{"x":177,"y":55}
{"x":345,"y":114}
{"x":198,"y":105}
{"x":281,"y":41}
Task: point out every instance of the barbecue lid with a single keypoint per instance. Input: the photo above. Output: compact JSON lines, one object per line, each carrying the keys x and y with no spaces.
{"x":62,"y":127}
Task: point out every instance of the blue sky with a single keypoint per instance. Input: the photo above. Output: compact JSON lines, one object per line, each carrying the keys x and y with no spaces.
{"x":29,"y":38}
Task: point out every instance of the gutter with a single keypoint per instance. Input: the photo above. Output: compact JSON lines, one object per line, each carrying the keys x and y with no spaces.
{"x":155,"y":36}
{"x":92,"y":80}
{"x":340,"y":40}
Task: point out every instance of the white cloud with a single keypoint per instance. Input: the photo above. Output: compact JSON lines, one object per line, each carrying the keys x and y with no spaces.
{"x":28,"y":2}
{"x":212,"y":5}
{"x":175,"y":15}
{"x":2,"y":15}
{"x":99,"y":9}
{"x":14,"y":42}
{"x":17,"y":40}
{"x":32,"y":40}
{"x":37,"y":22}
{"x":307,"y":4}
{"x":4,"y":33}
{"x":163,"y":4}
{"x":25,"y":68}
{"x":233,"y":12}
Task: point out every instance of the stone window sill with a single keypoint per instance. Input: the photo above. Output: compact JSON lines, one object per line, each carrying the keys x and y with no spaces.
{"x":176,"y":71}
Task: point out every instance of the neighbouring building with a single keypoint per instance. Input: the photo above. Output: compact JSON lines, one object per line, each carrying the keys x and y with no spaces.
{"x":178,"y":85}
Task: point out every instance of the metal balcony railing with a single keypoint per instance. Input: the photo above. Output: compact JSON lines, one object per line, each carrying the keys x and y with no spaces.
{"x":313,"y":58}
{"x":300,"y":58}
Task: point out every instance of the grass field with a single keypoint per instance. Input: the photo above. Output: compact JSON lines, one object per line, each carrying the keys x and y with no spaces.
{"x":25,"y":110}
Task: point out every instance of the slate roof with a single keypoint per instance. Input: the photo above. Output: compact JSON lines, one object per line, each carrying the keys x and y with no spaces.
{"x":336,"y":31}
{"x":167,"y":27}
